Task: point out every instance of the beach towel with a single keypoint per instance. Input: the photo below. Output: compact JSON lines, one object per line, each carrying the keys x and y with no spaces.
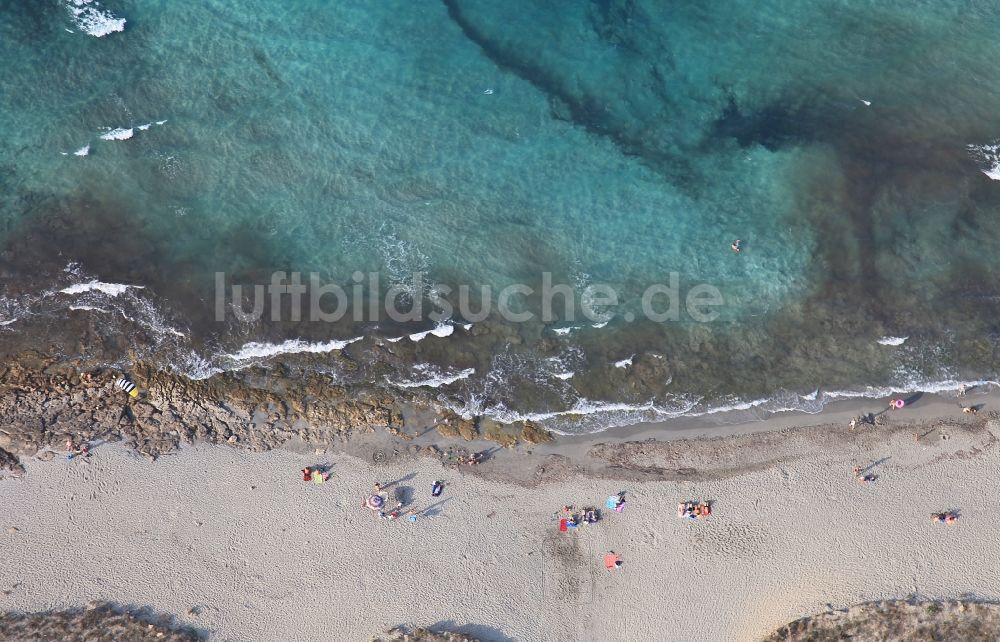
{"x":562,"y":525}
{"x":612,"y":501}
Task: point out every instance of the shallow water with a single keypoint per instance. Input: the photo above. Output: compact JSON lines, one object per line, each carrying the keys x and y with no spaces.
{"x":485,"y":143}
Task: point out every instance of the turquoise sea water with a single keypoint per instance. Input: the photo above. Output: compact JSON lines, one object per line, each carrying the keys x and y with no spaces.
{"x":484,"y":143}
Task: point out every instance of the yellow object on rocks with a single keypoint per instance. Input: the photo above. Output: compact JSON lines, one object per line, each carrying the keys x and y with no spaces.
{"x":126,"y":384}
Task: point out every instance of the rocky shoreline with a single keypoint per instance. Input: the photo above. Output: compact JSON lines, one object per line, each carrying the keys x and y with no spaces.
{"x":45,"y":401}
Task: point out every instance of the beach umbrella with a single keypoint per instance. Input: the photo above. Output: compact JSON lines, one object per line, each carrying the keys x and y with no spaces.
{"x":375,"y":502}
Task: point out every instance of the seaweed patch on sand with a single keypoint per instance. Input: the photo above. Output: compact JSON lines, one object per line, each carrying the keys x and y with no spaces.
{"x":96,"y":623}
{"x":896,"y":621}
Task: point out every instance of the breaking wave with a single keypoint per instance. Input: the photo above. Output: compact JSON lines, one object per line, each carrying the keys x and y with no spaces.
{"x":91,"y":18}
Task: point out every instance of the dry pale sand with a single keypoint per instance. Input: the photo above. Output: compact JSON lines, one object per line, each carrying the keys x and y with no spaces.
{"x":264,"y":556}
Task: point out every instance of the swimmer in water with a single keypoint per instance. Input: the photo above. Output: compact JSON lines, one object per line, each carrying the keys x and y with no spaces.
{"x":736,"y":246}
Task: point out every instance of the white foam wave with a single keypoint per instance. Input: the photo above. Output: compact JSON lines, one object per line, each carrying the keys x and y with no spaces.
{"x":432,"y":378}
{"x":892,"y":341}
{"x":255,"y":350}
{"x":443,"y":330}
{"x":600,"y":325}
{"x":988,"y":157}
{"x":92,"y":308}
{"x":624,"y":363}
{"x":111,"y":289}
{"x":193,"y":366}
{"x":91,"y":18}
{"x":83,"y":151}
{"x":564,"y":331}
{"x":563,"y":375}
{"x":587,"y":416}
{"x":929,"y":387}
{"x":118,"y":133}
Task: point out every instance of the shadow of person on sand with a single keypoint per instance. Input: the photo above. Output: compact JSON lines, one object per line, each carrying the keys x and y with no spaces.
{"x":126,"y":414}
{"x":488,"y":454}
{"x":877,"y":462}
{"x":399,"y":481}
{"x":434,"y":509}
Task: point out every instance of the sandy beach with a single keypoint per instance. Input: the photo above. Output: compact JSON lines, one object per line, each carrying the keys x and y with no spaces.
{"x":234,"y":543}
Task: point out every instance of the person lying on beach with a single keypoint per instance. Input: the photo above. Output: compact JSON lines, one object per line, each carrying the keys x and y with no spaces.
{"x":437,"y":488}
{"x":393,"y":514}
{"x":969,"y":410}
{"x":307,"y":474}
{"x":694,"y":510}
{"x":944,"y":518}
{"x":77,"y":450}
{"x":318,"y":476}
